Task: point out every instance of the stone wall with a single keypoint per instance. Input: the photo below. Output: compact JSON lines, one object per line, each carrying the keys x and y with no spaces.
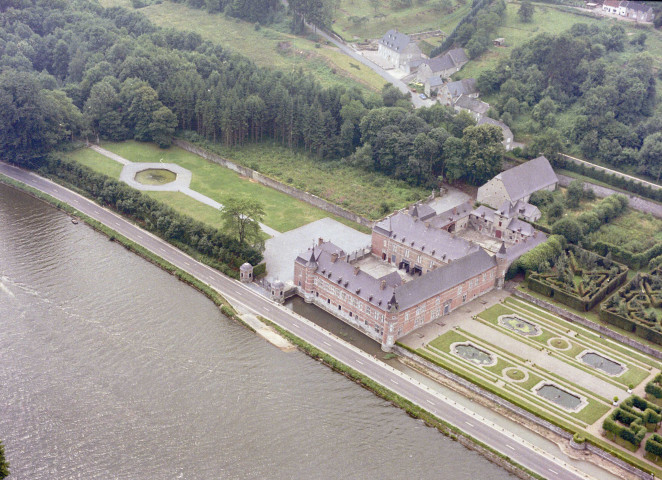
{"x":517,"y":410}
{"x":571,"y":317}
{"x":275,"y":184}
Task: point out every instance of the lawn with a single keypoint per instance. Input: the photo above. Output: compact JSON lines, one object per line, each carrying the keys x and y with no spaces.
{"x":519,"y":392}
{"x":282,"y":212}
{"x":420,"y":17}
{"x":367,"y":193}
{"x":326,"y":63}
{"x":553,"y":327}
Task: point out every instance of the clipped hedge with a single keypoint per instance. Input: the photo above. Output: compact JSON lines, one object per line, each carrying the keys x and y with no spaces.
{"x":632,"y":420}
{"x":547,"y":251}
{"x":654,"y":445}
{"x":629,"y":258}
{"x":618,"y":310}
{"x":580,"y":300}
{"x":609,"y":178}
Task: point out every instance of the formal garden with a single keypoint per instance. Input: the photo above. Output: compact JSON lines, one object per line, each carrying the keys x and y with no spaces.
{"x":637,"y":306}
{"x":578,"y":278}
{"x":558,"y":370}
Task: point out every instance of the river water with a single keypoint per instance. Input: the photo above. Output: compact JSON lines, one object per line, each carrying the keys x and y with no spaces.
{"x":111,"y":368}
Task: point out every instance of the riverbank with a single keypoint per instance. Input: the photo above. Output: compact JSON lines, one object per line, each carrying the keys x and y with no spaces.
{"x":485,"y":431}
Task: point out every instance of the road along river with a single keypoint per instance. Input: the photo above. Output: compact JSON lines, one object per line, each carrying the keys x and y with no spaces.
{"x":488,"y":433}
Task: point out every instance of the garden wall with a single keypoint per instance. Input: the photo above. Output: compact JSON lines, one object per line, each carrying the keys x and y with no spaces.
{"x":313,"y":200}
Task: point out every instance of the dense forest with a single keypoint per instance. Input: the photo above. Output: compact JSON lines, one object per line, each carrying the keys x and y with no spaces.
{"x":607,"y":100}
{"x":72,"y":68}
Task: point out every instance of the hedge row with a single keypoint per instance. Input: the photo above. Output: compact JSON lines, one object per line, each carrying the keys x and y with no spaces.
{"x":547,"y":251}
{"x":654,"y":445}
{"x":538,"y":284}
{"x":629,"y":324}
{"x":609,"y":178}
{"x":632,"y":420}
{"x":631,"y":259}
{"x":227,"y":253}
{"x":654,"y":387}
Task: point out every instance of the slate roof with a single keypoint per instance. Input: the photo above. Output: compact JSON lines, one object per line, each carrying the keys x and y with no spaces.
{"x":360,"y":283}
{"x":432,"y":241}
{"x":514,"y":224}
{"x":487,"y":120}
{"x":448,"y":60}
{"x":458,"y":55}
{"x":434,"y":81}
{"x":310,"y":256}
{"x":517,"y":250}
{"x":395,"y":40}
{"x":442,"y":278}
{"x":472,"y":104}
{"x":452,"y":215}
{"x":527,"y":178}
{"x":637,"y":6}
{"x":520,"y":208}
{"x":422,"y":211}
{"x":466,"y":86}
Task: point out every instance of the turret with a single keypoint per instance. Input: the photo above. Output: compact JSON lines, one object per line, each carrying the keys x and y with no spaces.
{"x":502,"y":265}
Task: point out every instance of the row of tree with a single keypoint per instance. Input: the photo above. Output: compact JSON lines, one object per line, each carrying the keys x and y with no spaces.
{"x":111,"y":74}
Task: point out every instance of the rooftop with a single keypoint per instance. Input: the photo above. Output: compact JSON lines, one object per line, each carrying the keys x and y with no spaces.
{"x":395,"y":40}
{"x":472,"y":104}
{"x":527,"y":178}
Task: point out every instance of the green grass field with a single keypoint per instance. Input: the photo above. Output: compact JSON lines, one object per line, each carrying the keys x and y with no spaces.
{"x":352,"y":188}
{"x":420,"y":17}
{"x":494,"y":379}
{"x":327,"y":63}
{"x":282,"y":212}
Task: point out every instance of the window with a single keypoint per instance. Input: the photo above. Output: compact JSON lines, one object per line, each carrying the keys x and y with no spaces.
{"x":407,"y":317}
{"x":418,"y":259}
{"x":459,"y":290}
{"x":340,"y":306}
{"x":431,"y":264}
{"x":406,"y":253}
{"x":464,"y":298}
{"x":328,"y":300}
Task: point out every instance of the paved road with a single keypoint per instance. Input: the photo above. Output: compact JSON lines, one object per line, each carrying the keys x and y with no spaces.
{"x":484,"y":430}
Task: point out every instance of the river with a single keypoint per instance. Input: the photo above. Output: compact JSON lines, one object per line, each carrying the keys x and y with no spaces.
{"x":111,"y":368}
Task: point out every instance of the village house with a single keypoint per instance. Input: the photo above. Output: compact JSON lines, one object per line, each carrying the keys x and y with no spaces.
{"x":507,"y":133}
{"x":450,"y":92}
{"x":518,"y":183}
{"x":638,"y":11}
{"x":442,"y":66}
{"x":398,"y":49}
{"x":475,"y":107}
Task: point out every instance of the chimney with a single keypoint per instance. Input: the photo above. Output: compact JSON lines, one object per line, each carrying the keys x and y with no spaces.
{"x":357,"y":269}
{"x":320,"y":241}
{"x":454,"y":210}
{"x":334,"y":257}
{"x":382,"y":285}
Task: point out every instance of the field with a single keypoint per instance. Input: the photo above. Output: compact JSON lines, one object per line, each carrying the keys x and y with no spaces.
{"x":327,"y":64}
{"x":365,"y":193}
{"x":420,"y":17}
{"x":634,"y":230}
{"x":283,"y":212}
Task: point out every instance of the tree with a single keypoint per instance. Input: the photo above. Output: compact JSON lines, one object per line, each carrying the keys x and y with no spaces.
{"x":569,"y":228}
{"x":242,"y":217}
{"x":525,"y":12}
{"x":484,"y":153}
{"x":4,"y":464}
{"x":555,"y":210}
{"x":163,"y":126}
{"x":650,"y":156}
{"x":574,"y":193}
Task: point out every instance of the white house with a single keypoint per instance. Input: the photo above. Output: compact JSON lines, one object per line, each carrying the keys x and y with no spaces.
{"x":398,"y":49}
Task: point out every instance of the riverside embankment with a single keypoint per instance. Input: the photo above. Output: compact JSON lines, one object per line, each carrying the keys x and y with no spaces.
{"x":243,"y":298}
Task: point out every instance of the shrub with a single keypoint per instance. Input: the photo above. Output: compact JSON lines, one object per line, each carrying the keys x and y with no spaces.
{"x":568,"y":228}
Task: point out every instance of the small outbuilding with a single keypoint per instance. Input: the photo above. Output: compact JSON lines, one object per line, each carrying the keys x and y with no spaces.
{"x":499,"y":42}
{"x":246,"y":273}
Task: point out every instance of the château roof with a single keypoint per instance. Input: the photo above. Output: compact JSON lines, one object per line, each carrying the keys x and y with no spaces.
{"x":527,"y":178}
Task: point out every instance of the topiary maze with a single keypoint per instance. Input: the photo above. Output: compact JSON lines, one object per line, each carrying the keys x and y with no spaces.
{"x":579,"y":278}
{"x":631,"y":421}
{"x":637,"y":307}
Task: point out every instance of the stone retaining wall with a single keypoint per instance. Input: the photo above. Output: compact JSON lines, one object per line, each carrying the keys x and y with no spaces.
{"x":572,"y":317}
{"x":519,"y":411}
{"x":275,"y":184}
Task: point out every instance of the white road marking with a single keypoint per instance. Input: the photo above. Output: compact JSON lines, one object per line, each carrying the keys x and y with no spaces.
{"x":431,"y":403}
{"x":394,"y":381}
{"x":555,"y":473}
{"x":471,"y":425}
{"x":326,"y":343}
{"x":510,"y":447}
{"x":359,"y":362}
